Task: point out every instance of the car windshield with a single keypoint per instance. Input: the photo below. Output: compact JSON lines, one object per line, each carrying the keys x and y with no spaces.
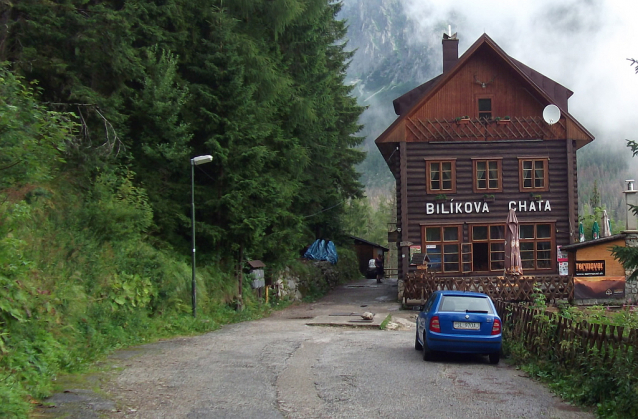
{"x":464,"y":304}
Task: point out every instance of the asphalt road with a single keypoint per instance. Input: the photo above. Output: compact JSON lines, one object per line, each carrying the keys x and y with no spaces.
{"x":280,"y":367}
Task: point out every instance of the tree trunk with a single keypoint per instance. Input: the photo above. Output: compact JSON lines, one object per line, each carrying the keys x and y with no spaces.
{"x":240,"y":277}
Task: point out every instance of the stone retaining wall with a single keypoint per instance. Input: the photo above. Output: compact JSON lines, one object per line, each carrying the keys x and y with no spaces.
{"x":290,"y":285}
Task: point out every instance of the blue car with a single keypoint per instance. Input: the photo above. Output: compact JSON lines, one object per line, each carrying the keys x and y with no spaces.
{"x":460,"y":322}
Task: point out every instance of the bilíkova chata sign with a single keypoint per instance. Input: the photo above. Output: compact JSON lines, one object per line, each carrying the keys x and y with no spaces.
{"x":483,"y":207}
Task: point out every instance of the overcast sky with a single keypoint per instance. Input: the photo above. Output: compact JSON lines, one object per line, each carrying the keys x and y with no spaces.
{"x":581,"y":44}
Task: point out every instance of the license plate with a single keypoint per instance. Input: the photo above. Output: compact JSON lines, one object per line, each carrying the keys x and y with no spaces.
{"x":467,"y":325}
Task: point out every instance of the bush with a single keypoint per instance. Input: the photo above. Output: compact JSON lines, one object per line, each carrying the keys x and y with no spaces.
{"x":605,"y":377}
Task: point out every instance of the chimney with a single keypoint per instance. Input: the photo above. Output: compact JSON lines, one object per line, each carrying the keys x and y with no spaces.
{"x":450,"y":50}
{"x":631,"y":198}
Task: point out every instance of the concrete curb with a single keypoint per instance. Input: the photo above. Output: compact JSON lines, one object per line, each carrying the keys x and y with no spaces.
{"x":348,"y":320}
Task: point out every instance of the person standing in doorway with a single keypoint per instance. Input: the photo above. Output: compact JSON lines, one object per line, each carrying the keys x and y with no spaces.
{"x":371,"y":272}
{"x":379,"y":265}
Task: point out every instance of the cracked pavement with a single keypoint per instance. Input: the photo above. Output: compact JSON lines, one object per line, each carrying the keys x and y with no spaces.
{"x":281,"y":367}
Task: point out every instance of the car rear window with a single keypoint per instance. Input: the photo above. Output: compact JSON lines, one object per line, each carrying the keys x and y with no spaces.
{"x":465,"y":303}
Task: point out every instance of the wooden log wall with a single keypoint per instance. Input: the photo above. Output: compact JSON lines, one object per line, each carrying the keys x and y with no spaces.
{"x":413,"y":189}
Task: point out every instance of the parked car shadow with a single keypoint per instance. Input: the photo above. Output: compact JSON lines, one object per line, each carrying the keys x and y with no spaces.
{"x":455,"y":358}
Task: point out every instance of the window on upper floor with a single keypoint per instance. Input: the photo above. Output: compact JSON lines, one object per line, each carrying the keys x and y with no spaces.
{"x":487,"y":175}
{"x":485,"y":108}
{"x":441,"y":176}
{"x":533,"y":174}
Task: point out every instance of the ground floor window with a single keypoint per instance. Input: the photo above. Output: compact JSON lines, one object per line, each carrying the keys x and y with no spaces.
{"x":443,"y":246}
{"x":536,"y":245}
{"x":485,"y":251}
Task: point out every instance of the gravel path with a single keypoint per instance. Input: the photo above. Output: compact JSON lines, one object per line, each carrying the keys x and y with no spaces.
{"x":280,"y":367}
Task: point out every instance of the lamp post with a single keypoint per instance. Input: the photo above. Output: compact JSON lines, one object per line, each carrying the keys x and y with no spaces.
{"x":195,"y":161}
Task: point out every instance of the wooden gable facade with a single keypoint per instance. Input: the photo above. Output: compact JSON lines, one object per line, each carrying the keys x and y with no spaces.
{"x":457,"y":177}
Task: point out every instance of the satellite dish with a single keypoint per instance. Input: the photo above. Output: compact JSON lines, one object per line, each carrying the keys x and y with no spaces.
{"x":551,"y":114}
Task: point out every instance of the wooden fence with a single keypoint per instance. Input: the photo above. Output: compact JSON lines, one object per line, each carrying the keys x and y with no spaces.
{"x":559,"y":339}
{"x":419,"y":285}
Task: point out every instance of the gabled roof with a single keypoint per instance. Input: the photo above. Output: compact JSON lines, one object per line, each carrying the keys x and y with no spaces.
{"x":405,"y":102}
{"x":551,"y":91}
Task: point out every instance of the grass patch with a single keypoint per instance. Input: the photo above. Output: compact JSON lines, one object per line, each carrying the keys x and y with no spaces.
{"x":577,"y":371}
{"x":385,"y":322}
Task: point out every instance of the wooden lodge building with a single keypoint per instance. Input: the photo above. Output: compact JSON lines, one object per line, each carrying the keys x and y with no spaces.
{"x":469,"y":145}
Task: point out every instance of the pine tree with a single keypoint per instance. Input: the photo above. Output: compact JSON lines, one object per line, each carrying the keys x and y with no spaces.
{"x":323,"y":115}
{"x":235,"y":87}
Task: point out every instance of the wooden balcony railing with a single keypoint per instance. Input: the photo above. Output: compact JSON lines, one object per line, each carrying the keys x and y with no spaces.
{"x":517,"y":128}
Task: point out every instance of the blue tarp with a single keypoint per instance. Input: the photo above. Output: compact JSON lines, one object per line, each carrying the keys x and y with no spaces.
{"x":322,"y":250}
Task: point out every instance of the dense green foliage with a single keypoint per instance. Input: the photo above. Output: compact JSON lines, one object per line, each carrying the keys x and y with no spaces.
{"x":259,"y":85}
{"x":601,"y":377}
{"x":103,"y":104}
{"x":369,"y":220}
{"x":602,"y":168}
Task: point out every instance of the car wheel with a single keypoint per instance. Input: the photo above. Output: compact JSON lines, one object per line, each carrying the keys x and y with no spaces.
{"x":417,"y":344}
{"x":427,"y":352}
{"x":495,"y":357}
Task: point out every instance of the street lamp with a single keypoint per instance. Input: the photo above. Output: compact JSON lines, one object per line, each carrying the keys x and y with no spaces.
{"x":195,"y":161}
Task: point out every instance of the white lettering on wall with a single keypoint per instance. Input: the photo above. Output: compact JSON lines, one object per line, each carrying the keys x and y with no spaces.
{"x":480,"y":207}
{"x":537,"y":206}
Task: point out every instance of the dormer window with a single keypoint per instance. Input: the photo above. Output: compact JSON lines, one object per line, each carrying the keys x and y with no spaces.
{"x":485,"y":108}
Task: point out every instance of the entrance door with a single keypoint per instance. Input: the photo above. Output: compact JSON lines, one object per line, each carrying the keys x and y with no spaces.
{"x":488,"y":247}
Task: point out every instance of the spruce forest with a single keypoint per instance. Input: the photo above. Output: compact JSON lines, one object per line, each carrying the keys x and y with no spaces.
{"x":104,"y":103}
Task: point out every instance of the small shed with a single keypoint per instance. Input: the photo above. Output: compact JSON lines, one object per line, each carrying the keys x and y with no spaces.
{"x":367,"y":250}
{"x":598,"y":277}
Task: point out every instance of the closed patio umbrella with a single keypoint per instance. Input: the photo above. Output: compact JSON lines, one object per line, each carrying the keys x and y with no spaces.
{"x":581,"y":232}
{"x":513,"y":265}
{"x":606,"y":229}
{"x":595,"y":231}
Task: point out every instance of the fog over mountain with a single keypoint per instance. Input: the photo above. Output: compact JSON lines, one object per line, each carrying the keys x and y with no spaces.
{"x":584,"y":45}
